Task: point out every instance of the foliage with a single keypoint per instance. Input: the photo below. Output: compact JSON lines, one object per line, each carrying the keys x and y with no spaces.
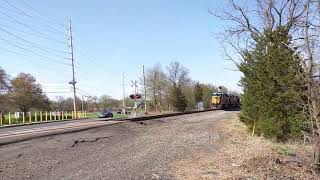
{"x":178,"y":99}
{"x":272,"y":91}
{"x":180,"y":86}
{"x":156,"y":83}
{"x":207,"y":94}
{"x":65,"y":104}
{"x":198,"y":92}
{"x":26,"y":93}
{"x":4,"y":80}
{"x":106,"y":101}
{"x":284,"y":150}
{"x":4,"y":85}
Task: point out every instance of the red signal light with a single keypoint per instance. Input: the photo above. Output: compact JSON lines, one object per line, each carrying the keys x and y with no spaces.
{"x":135,"y":96}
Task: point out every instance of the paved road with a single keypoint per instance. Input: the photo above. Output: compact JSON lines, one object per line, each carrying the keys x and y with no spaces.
{"x":128,"y":150}
{"x":19,"y":133}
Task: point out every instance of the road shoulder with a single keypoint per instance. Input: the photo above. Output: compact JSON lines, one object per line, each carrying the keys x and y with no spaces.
{"x":241,"y":156}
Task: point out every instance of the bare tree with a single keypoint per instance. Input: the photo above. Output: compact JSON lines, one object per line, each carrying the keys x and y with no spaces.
{"x":155,"y":84}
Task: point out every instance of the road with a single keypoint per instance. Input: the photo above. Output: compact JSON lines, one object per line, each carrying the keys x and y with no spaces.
{"x":19,"y":133}
{"x":128,"y":150}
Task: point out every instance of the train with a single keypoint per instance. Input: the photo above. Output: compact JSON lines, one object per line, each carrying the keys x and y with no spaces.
{"x":221,"y":100}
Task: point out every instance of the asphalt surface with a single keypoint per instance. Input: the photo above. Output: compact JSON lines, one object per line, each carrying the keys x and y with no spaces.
{"x":10,"y":135}
{"x":129,"y":150}
{"x":40,"y":125}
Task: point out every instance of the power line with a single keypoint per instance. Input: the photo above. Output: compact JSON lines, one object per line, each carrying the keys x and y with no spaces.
{"x":40,"y":14}
{"x":24,"y":40}
{"x":36,"y":35}
{"x":33,"y":52}
{"x":84,"y":92}
{"x":22,"y":44}
{"x":53,"y":82}
{"x":22,"y":12}
{"x":33,"y":92}
{"x":23,"y":24}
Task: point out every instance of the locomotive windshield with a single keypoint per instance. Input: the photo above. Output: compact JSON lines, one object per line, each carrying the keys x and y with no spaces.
{"x":216,"y":94}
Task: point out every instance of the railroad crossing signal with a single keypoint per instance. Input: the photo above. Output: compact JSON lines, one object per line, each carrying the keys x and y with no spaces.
{"x":135,"y":96}
{"x":134,"y":83}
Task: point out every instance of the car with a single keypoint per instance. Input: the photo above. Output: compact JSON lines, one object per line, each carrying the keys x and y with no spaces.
{"x":119,"y":111}
{"x":106,"y":113}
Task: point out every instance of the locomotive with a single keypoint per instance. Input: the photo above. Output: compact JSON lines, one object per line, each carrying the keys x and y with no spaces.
{"x":224,"y":100}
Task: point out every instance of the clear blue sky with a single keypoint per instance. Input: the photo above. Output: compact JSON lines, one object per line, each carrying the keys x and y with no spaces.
{"x":112,"y":37}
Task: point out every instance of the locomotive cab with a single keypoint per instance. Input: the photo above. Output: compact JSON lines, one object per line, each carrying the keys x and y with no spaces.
{"x":217,"y":100}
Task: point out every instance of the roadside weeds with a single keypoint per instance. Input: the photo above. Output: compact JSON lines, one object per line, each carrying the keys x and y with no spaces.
{"x":241,"y":156}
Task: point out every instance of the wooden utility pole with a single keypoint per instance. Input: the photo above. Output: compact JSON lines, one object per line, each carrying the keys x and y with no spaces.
{"x":123,"y":92}
{"x":73,"y":82}
{"x":145,"y":90}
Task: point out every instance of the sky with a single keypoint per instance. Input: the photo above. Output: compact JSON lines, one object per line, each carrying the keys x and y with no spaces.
{"x":111,"y":37}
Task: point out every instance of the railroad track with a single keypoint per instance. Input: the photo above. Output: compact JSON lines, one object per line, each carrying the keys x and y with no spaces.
{"x":11,"y":135}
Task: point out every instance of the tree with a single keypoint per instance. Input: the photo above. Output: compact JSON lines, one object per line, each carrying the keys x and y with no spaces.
{"x":272,"y":91}
{"x":208,"y":90}
{"x":178,"y":77}
{"x":178,"y":99}
{"x":106,"y":101}
{"x":65,"y":104}
{"x":4,"y":85}
{"x":300,"y":17}
{"x":93,"y":104}
{"x":26,"y":93}
{"x":4,"y":80}
{"x":198,"y":92}
{"x":156,"y":82}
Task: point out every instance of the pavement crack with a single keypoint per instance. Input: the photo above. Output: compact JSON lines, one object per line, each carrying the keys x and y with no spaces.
{"x":19,"y":155}
{"x":76,"y":142}
{"x":143,"y":123}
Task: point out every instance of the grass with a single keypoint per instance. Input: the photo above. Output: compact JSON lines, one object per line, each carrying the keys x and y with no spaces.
{"x":284,"y":150}
{"x":90,"y":115}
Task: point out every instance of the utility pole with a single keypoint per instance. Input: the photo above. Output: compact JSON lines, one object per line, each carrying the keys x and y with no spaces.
{"x":145,"y":90}
{"x":73,"y":82}
{"x":135,"y":86}
{"x":123,"y":92}
{"x":82,"y":104}
{"x":123,"y":96}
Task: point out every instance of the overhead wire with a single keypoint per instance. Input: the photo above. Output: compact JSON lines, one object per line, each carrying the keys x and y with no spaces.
{"x":34,"y":92}
{"x":22,"y":12}
{"x":43,"y":50}
{"x":33,"y":52}
{"x":25,"y":25}
{"x":35,"y":34}
{"x":23,"y":43}
{"x":40,"y":14}
{"x":26,"y":41}
{"x":38,"y":33}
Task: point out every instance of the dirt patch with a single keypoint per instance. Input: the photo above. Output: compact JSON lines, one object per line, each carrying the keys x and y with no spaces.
{"x":241,"y":156}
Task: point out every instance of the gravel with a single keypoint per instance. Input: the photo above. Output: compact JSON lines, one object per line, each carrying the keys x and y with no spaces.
{"x":129,"y":150}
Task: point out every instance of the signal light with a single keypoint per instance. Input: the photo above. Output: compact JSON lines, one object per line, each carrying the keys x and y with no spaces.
{"x":135,"y":96}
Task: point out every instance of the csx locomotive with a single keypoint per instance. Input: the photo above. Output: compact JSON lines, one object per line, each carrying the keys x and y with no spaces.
{"x":223,"y":100}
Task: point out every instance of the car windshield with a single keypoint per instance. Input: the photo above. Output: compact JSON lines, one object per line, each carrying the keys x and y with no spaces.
{"x":106,"y":111}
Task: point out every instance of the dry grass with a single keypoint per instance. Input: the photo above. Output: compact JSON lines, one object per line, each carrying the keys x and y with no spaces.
{"x":241,"y":156}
